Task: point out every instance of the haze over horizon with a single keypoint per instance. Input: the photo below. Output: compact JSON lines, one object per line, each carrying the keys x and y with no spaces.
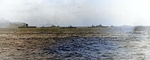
{"x":76,"y":12}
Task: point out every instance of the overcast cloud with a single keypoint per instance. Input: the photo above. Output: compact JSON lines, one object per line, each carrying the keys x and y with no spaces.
{"x":76,"y":12}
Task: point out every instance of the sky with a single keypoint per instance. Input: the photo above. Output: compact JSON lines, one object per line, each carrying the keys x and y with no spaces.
{"x":76,"y":12}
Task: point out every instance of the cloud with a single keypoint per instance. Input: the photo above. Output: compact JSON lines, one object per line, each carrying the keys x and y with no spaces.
{"x":131,"y":12}
{"x":38,"y":12}
{"x":75,"y":12}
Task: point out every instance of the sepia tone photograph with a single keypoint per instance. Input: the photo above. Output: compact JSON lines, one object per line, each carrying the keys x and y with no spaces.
{"x":74,"y":30}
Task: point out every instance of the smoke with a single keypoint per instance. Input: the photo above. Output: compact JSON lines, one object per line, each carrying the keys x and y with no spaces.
{"x":4,"y":23}
{"x":15,"y":24}
{"x":7,"y":24}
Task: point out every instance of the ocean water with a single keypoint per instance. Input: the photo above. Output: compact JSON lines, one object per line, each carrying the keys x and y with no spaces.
{"x":120,"y":43}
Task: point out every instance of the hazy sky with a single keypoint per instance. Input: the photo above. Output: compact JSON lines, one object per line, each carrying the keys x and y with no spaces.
{"x":76,"y":12}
